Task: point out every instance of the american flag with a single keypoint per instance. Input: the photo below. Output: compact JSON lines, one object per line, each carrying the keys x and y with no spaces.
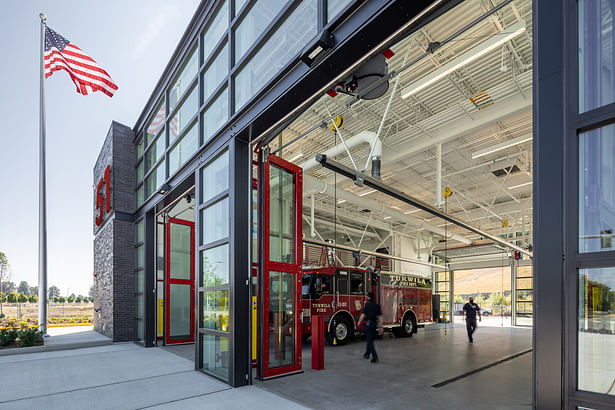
{"x":61,"y":54}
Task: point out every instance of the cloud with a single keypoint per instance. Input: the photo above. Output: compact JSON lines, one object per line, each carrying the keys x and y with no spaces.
{"x":153,"y":29}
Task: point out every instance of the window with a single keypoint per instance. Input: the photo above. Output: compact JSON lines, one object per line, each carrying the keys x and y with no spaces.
{"x":596,"y":58}
{"x":216,"y":355}
{"x":216,"y":29}
{"x":155,"y":152}
{"x":184,"y":79}
{"x":140,"y":148}
{"x":156,"y":124}
{"x":283,"y":46}
{"x":597,"y":189}
{"x":323,"y":285}
{"x":251,"y":27}
{"x":239,"y":5}
{"x":215,"y":116}
{"x":215,"y":266}
{"x":335,"y":7}
{"x":596,"y":367}
{"x":215,"y":73}
{"x":215,"y":310}
{"x":184,"y":149}
{"x":140,"y":196}
{"x":342,"y":286}
{"x":139,"y":175}
{"x":183,"y":116}
{"x":214,"y":222}
{"x":155,"y":179}
{"x":215,"y":177}
{"x":357,"y":286}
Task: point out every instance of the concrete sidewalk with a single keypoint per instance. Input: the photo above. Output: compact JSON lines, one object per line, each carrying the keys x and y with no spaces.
{"x":120,"y":376}
{"x":63,"y":338}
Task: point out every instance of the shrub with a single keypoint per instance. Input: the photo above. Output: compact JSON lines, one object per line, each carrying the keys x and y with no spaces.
{"x":12,"y":297}
{"x":33,"y":299}
{"x":7,"y":336}
{"x":28,"y":337}
{"x":21,"y":298}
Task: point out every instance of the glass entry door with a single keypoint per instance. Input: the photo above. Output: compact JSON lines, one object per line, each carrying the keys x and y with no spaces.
{"x":282,"y":327}
{"x":179,"y":326}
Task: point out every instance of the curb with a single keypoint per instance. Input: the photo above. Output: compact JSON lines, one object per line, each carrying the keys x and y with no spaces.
{"x":54,"y":348}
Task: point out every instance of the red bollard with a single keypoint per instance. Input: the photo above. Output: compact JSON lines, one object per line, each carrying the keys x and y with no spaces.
{"x":318,"y":342}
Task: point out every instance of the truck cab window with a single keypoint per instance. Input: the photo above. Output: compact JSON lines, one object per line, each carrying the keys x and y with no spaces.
{"x":342,"y":286}
{"x":357,"y":286}
{"x":305,"y":286}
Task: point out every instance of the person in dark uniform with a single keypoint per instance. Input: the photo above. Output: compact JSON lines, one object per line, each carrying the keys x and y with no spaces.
{"x":470,"y":310}
{"x":373,"y":316}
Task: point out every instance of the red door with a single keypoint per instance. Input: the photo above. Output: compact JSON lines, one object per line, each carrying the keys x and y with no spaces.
{"x":179,"y":306}
{"x":282,"y":325}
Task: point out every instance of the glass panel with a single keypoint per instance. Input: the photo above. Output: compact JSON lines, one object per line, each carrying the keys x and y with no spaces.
{"x":179,"y":257}
{"x":140,"y":148}
{"x":335,"y":7}
{"x":140,"y":281}
{"x":140,"y":256}
{"x":160,"y":254}
{"x":215,"y":30}
{"x":179,"y":310}
{"x":239,"y":5}
{"x":140,"y":196}
{"x":282,"y":47}
{"x":156,"y":125}
{"x":215,"y":73}
{"x":214,"y":222}
{"x":281,"y":319}
{"x":184,"y":149}
{"x":155,"y":179}
{"x":140,"y":231}
{"x":214,"y":177}
{"x":183,"y":80}
{"x":215,"y":266}
{"x":596,"y":58}
{"x":140,"y":305}
{"x":215,"y":310}
{"x":155,"y":152}
{"x":139,"y":329}
{"x":281,"y":215}
{"x":139,"y":172}
{"x":185,"y":113}
{"x":216,"y":355}
{"x":215,"y":116}
{"x":596,"y":336}
{"x":597,"y":190}
{"x":258,"y":18}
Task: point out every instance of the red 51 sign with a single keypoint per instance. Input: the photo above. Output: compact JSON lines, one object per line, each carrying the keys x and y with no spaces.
{"x":103,"y":200}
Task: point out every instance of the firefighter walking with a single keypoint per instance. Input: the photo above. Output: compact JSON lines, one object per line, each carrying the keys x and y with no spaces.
{"x":470,"y":310}
{"x":372,"y":314}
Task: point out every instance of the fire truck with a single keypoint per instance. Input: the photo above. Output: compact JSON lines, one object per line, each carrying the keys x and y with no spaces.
{"x":339,"y":294}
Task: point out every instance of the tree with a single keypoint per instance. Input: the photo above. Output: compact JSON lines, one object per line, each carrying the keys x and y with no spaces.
{"x":8,"y":286}
{"x":61,"y":299}
{"x":33,"y":290}
{"x":56,"y":299}
{"x":79,"y":299}
{"x":70,"y":299}
{"x":21,"y":298}
{"x":5,"y":278}
{"x":53,"y":291}
{"x":12,"y":297}
{"x":33,"y":299}
{"x":2,"y":297}
{"x":23,"y":288}
{"x":91,"y":292}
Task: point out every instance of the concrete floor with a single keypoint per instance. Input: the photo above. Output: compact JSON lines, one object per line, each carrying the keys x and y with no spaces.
{"x":120,"y":376}
{"x":409,"y":367}
{"x":186,"y":350}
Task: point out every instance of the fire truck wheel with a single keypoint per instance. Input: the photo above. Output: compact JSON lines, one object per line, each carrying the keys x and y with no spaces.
{"x":408,"y":326}
{"x":340,"y":332}
{"x":396,"y":331}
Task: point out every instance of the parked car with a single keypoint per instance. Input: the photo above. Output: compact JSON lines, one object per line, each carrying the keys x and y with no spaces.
{"x":486,"y":312}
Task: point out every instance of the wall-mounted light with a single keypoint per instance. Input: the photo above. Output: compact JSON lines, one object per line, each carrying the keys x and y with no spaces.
{"x":314,"y":51}
{"x":164,"y":188}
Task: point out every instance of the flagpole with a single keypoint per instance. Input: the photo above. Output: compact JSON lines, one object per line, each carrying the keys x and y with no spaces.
{"x":42,"y":205}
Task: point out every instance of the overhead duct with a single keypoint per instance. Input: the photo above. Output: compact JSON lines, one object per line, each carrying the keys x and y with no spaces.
{"x":364,"y":137}
{"x":312,"y":185}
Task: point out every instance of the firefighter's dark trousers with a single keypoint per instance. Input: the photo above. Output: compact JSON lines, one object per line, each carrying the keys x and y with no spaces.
{"x":370,"y":336}
{"x":471,"y":327}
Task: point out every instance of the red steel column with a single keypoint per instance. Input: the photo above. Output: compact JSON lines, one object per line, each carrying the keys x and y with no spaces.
{"x":318,"y":342}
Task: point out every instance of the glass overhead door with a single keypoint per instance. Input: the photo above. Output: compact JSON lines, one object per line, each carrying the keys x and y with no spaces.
{"x":180,"y":282}
{"x":281,"y":350}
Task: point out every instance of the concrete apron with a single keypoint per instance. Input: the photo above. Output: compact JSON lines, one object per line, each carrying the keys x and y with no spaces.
{"x":62,"y":339}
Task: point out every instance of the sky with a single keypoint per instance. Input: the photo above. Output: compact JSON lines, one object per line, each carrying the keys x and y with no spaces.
{"x":133,"y":41}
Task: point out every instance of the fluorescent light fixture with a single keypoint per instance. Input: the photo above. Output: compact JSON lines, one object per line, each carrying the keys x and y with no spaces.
{"x":296,"y":157}
{"x":371,"y":191}
{"x":387,"y":217}
{"x":341,"y":201}
{"x":483,"y":48}
{"x":501,"y":146}
{"x":411,"y":212}
{"x":520,"y":185}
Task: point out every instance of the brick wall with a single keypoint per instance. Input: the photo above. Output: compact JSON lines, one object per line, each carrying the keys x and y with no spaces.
{"x":114,"y":254}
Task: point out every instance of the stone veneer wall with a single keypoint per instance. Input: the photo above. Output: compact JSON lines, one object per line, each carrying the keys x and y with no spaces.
{"x":114,"y":254}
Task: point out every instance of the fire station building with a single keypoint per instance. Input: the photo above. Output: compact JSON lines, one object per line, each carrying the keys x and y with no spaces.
{"x":298,"y":154}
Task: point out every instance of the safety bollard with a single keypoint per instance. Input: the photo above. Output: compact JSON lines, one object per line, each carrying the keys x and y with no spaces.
{"x":318,"y":342}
